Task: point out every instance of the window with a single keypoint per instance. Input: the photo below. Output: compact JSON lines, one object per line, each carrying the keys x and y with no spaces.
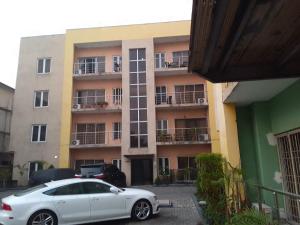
{"x":95,"y":188}
{"x":162,"y":125}
{"x":185,"y":94}
{"x":117,"y":163}
{"x":186,"y":162}
{"x":161,"y":95}
{"x":70,"y":189}
{"x":117,"y":96}
{"x":41,"y":98}
{"x":90,"y":65}
{"x":181,"y":58}
{"x":159,"y":60}
{"x":44,"y":65}
{"x":138,"y":98}
{"x":90,"y":133}
{"x":117,"y":130}
{"x":90,"y":97}
{"x":39,"y":133}
{"x":117,"y":63}
{"x":33,"y":167}
{"x":163,"y":165}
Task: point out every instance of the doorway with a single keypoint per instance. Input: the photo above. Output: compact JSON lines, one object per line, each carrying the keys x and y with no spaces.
{"x":141,"y":171}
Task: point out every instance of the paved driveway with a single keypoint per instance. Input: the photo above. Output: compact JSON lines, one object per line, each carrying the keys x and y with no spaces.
{"x":183,"y":212}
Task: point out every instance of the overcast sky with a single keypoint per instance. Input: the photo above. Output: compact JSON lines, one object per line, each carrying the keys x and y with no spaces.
{"x":21,"y":18}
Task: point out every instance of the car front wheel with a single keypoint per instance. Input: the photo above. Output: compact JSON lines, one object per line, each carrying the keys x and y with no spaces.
{"x":142,"y":210}
{"x":43,"y":217}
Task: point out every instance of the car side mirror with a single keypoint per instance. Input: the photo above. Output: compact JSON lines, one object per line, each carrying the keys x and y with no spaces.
{"x":114,"y":190}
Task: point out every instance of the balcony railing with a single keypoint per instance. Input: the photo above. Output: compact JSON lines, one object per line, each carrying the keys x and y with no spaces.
{"x":183,"y":135}
{"x":96,"y":138}
{"x":97,"y":102}
{"x":169,"y":60}
{"x":94,"y":68}
{"x":187,"y":97}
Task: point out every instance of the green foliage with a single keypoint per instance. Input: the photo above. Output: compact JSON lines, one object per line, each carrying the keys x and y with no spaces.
{"x":211,"y":186}
{"x":157,"y":181}
{"x":5,"y":173}
{"x":250,"y":217}
{"x":22,"y":169}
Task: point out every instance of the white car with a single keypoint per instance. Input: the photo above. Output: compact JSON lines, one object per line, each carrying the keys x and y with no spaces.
{"x":76,"y":201}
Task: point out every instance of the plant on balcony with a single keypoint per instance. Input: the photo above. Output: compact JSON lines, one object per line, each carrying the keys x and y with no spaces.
{"x":102,"y":104}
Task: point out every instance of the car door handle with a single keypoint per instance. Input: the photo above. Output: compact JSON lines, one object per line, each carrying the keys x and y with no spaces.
{"x":61,"y":202}
{"x":95,"y":198}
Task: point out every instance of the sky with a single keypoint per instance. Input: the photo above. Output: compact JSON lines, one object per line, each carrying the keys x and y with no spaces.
{"x":22,"y":18}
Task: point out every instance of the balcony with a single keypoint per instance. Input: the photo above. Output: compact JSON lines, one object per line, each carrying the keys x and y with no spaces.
{"x":95,"y":139}
{"x":95,"y":70}
{"x":172,"y":63}
{"x":187,"y":99}
{"x":97,"y":104}
{"x":182,"y":136}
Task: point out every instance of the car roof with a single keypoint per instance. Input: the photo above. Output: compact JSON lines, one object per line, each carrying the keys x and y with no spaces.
{"x":70,"y":181}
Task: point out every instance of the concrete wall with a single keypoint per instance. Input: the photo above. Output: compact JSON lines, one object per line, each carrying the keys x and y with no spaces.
{"x":25,"y":114}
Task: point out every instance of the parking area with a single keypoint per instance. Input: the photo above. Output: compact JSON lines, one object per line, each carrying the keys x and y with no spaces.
{"x":183,"y":211}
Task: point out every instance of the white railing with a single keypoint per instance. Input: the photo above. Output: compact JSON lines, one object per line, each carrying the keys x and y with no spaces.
{"x":86,"y":68}
{"x":179,"y":135}
{"x":168,"y":60}
{"x":96,"y":138}
{"x":100,"y":101}
{"x":187,"y":97}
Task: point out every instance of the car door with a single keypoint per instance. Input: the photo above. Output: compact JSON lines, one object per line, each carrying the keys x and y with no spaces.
{"x":71,"y":203}
{"x":104,"y":204}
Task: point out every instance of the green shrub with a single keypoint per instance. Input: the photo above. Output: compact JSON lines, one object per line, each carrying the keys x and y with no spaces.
{"x":211,"y":186}
{"x":250,"y":217}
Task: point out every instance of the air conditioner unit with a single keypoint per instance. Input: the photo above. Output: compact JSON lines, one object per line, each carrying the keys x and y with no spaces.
{"x":203,"y":137}
{"x":201,"y":101}
{"x":76,"y":106}
{"x":76,"y":142}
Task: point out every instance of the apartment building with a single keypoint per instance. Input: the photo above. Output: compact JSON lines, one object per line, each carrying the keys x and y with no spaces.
{"x":120,"y":95}
{"x":6,"y":102}
{"x":35,"y":129}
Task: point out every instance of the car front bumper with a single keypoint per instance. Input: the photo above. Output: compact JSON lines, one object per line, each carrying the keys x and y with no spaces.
{"x":155,"y":207}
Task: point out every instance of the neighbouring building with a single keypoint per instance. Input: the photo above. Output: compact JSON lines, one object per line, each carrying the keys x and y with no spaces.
{"x":120,"y":95}
{"x":253,"y":47}
{"x":6,"y":103}
{"x":35,"y":131}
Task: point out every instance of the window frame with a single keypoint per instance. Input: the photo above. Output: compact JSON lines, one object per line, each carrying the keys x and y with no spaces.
{"x":164,"y":159}
{"x":42,"y":99}
{"x":117,"y":132}
{"x":119,"y":163}
{"x":44,"y":65}
{"x":119,"y":61}
{"x":39,"y":133}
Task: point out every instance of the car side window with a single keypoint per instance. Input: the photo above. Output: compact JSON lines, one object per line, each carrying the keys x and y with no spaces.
{"x":95,"y":188}
{"x":70,"y":189}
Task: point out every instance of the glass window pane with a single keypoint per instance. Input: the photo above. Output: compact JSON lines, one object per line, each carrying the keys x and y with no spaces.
{"x":43,"y":133}
{"x":143,"y":102}
{"x":95,"y":188}
{"x":192,"y":163}
{"x":133,"y":66}
{"x":37,"y":102}
{"x":143,"y":115}
{"x":133,"y":54}
{"x":40,"y":65}
{"x":71,"y":189}
{"x":133,"y":102}
{"x":45,"y":98}
{"x":182,"y":162}
{"x":133,"y":115}
{"x":142,"y":66}
{"x":142,"y":53}
{"x":47,"y":66}
{"x":133,"y":78}
{"x":143,"y":128}
{"x":142,"y":78}
{"x":143,"y":141}
{"x":133,"y":128}
{"x":35,"y":133}
{"x":81,"y":128}
{"x":133,"y":141}
{"x":133,"y":90}
{"x":142,"y":90}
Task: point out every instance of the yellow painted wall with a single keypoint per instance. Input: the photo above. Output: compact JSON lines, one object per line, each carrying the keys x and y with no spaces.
{"x":90,"y":35}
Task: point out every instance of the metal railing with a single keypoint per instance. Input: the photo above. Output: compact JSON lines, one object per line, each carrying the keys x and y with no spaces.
{"x":187,"y":175}
{"x":96,"y":138}
{"x":100,"y":101}
{"x":183,"y":135}
{"x":85,"y":68}
{"x":291,"y":202}
{"x":168,"y":60}
{"x":187,"y":97}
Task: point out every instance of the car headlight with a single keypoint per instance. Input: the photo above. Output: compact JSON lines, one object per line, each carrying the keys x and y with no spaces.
{"x":155,"y":197}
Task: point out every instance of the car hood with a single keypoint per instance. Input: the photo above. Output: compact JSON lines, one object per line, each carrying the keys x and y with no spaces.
{"x":135,"y":191}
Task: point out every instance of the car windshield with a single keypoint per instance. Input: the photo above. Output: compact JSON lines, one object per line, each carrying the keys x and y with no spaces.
{"x":30,"y":190}
{"x":89,"y":170}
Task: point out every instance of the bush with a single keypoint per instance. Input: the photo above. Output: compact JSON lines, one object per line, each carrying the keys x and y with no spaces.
{"x":211,"y":186}
{"x":250,"y":217}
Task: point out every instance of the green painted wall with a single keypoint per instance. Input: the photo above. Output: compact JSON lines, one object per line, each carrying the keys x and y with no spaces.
{"x":259,"y":159}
